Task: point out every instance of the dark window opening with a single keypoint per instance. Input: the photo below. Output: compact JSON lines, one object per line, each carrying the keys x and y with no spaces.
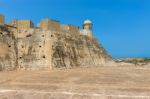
{"x":40,"y":46}
{"x":51,"y":35}
{"x":42,"y":35}
{"x":9,"y":46}
{"x":29,"y":35}
{"x":44,"y":56}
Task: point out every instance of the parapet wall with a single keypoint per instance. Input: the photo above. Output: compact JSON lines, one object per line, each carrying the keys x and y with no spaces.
{"x":25,"y":24}
{"x":48,"y":24}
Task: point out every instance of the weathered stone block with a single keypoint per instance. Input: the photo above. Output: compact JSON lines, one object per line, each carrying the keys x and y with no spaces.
{"x":48,"y":24}
{"x":25,"y":24}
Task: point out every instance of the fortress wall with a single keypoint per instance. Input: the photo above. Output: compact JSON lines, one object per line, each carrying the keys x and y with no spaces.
{"x":4,"y":50}
{"x":23,"y":33}
{"x":25,"y":24}
{"x":76,"y":51}
{"x":7,"y":52}
{"x":45,"y":50}
{"x":34,"y":52}
{"x":64,"y":28}
{"x":48,"y":24}
{"x":22,"y":29}
{"x":71,"y":29}
{"x":50,"y":46}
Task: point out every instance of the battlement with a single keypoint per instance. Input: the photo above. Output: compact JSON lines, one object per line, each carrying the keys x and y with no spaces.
{"x":70,"y":28}
{"x":55,"y":26}
{"x":25,"y":24}
{"x":48,"y":24}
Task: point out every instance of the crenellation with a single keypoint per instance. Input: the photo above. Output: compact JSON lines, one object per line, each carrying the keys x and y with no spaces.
{"x":74,"y":30}
{"x":48,"y":24}
{"x":23,"y":24}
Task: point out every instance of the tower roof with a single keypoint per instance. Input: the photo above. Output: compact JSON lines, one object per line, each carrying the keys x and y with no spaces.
{"x":87,"y":22}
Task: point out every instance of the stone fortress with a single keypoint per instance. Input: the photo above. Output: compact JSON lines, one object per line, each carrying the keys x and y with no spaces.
{"x":50,"y":45}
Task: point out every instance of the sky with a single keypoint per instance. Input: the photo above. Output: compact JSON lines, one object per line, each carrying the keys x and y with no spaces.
{"x":121,"y":26}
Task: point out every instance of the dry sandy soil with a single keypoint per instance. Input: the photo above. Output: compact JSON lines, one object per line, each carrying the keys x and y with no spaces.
{"x":78,"y":83}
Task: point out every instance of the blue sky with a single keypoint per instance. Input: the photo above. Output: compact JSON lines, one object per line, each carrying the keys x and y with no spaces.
{"x":122,"y":26}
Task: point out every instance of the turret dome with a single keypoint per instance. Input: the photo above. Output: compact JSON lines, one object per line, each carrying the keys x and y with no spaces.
{"x":87,"y":22}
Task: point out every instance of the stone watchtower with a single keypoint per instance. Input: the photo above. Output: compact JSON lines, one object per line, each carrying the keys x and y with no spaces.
{"x":87,"y":27}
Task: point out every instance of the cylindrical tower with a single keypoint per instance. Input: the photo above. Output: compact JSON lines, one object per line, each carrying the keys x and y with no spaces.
{"x":87,"y":27}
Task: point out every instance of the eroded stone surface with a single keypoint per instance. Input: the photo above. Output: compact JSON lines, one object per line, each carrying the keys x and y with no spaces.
{"x":49,"y":46}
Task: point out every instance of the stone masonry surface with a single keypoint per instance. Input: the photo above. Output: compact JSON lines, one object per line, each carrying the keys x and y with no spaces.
{"x":49,"y":46}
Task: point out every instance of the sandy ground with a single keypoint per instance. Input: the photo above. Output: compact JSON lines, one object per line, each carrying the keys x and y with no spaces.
{"x":78,"y":83}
